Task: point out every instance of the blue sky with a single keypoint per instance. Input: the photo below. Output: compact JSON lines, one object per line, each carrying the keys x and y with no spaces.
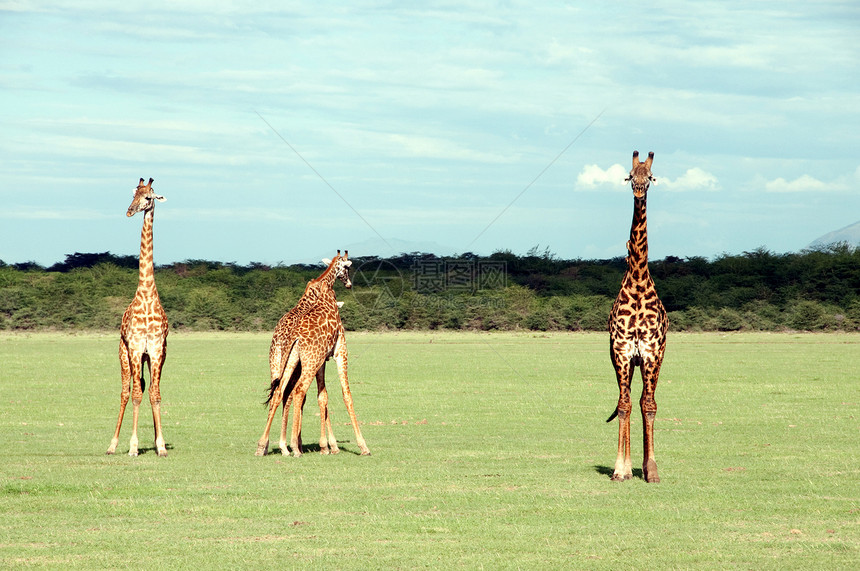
{"x":282,"y":131}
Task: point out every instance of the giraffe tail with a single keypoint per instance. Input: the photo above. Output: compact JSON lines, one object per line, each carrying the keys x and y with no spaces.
{"x":275,"y":384}
{"x":297,"y":372}
{"x":613,"y":415}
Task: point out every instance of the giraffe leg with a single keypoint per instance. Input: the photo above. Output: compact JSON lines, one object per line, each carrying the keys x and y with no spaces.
{"x":328,"y":443}
{"x":292,"y":364}
{"x":274,"y":403}
{"x":340,"y":358}
{"x":650,"y":372}
{"x":277,"y":363}
{"x":283,"y":445}
{"x":124,"y":395}
{"x":322,"y":401}
{"x":332,"y":441}
{"x":136,"y":398}
{"x":285,"y":448}
{"x":623,"y":466}
{"x":156,"y":362}
{"x":299,"y":393}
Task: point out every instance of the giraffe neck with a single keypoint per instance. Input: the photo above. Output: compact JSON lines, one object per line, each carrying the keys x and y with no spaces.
{"x":326,"y":279}
{"x":309,"y":298}
{"x":637,"y":247}
{"x":326,"y":286}
{"x":316,"y":289}
{"x":146,"y":277}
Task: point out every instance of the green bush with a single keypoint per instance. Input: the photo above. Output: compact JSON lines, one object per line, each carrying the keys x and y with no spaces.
{"x":806,"y":315}
{"x":758,"y":290}
{"x":728,"y":319}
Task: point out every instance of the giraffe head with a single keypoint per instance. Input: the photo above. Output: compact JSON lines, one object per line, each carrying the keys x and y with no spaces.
{"x":144,"y":198}
{"x":640,"y":176}
{"x":340,"y":267}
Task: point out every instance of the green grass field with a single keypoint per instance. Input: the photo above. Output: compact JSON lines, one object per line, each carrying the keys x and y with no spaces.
{"x":489,"y":451}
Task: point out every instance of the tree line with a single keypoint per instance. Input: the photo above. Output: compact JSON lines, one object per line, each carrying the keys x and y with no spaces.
{"x":813,"y":290}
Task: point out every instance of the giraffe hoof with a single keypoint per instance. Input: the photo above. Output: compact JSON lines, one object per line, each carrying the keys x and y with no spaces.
{"x":649,"y":472}
{"x":621,"y":478}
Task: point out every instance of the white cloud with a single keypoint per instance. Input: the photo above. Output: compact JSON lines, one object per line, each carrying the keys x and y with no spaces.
{"x":800,"y":184}
{"x":593,"y":176}
{"x":694,"y":179}
{"x":803,"y":183}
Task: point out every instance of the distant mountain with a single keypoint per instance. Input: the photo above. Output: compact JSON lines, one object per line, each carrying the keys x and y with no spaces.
{"x":850,"y":234}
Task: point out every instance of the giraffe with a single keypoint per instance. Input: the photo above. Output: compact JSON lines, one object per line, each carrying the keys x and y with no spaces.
{"x":285,"y":336}
{"x":637,"y":332}
{"x":143,"y":333}
{"x":327,"y":445}
{"x":304,"y":339}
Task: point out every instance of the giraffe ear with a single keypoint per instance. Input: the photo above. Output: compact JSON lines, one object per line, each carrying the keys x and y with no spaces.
{"x":326,"y":261}
{"x":158,"y":197}
{"x":347,"y":263}
{"x":339,"y":304}
{"x":653,"y":180}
